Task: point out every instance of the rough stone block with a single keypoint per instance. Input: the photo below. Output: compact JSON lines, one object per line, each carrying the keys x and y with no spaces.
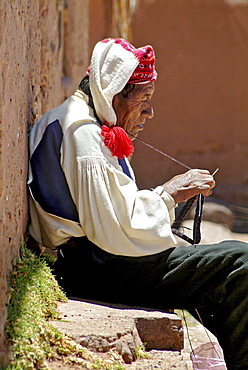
{"x":100,"y":328}
{"x":161,"y":332}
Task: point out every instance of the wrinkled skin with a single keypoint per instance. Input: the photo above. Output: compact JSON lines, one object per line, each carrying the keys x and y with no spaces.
{"x":189,"y":184}
{"x":132,"y":112}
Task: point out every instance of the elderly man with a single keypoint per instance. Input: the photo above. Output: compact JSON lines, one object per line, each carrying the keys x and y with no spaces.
{"x":115,"y":241}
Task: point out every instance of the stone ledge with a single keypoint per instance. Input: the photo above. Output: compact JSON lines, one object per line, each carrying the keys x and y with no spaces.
{"x":100,"y":328}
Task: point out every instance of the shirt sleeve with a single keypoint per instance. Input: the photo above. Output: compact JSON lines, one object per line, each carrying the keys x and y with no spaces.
{"x":114,"y":214}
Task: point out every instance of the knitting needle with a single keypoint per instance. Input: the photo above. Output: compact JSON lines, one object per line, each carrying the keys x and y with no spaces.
{"x":217,"y":169}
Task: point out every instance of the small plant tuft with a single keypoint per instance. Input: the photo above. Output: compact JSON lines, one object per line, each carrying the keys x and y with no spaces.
{"x":141,"y":352}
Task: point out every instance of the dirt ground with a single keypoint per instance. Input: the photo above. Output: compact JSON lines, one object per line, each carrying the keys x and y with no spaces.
{"x":194,"y":335}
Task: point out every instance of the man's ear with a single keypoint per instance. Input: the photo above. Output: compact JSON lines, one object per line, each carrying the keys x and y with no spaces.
{"x":117,"y":99}
{"x":118,"y":102}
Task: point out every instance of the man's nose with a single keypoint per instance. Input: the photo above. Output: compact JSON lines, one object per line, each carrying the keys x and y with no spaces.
{"x":148,"y":111}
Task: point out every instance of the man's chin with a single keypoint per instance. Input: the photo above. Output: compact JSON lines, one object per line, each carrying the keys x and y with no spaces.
{"x":133,"y":135}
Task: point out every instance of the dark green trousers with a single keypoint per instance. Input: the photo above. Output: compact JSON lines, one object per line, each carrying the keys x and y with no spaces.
{"x":211,"y":278}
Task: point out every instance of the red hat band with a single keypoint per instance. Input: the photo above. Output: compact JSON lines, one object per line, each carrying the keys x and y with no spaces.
{"x":145,"y":71}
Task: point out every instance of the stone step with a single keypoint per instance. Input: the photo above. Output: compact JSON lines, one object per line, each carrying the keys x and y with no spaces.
{"x":102,"y":327}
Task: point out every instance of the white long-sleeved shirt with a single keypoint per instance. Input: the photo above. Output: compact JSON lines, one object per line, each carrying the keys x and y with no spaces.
{"x":77,"y":188}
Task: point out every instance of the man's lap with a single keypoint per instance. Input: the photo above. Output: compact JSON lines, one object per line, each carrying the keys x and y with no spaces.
{"x":173,"y":277}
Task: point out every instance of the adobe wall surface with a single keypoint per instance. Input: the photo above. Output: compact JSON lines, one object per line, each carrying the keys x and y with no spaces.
{"x":36,"y":51}
{"x":201,"y":94}
{"x":19,"y":69}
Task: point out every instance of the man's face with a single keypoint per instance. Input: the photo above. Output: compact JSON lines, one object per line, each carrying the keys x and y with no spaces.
{"x":132,"y":111}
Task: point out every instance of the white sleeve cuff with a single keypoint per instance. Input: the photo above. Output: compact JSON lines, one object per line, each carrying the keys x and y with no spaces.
{"x":167,"y":198}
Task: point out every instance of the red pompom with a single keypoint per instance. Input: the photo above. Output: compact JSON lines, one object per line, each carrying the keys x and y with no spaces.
{"x":117,"y":140}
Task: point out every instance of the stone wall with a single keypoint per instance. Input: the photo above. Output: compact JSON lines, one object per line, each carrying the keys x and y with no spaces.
{"x":43,"y":57}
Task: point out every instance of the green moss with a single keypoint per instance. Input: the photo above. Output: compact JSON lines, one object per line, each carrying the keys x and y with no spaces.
{"x":34,"y":295}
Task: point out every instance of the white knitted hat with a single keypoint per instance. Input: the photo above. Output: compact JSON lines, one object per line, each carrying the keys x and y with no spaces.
{"x":114,"y":63}
{"x":110,"y":69}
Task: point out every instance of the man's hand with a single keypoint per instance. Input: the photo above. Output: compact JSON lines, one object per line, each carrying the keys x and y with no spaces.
{"x":189,"y":184}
